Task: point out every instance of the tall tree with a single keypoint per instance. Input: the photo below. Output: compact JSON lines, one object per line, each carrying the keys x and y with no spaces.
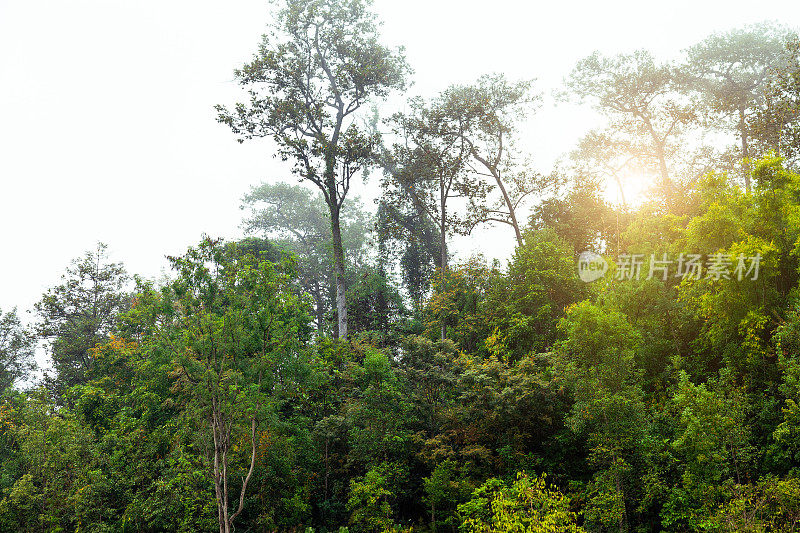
{"x":407,"y":235}
{"x":637,"y":94}
{"x":603,"y":154}
{"x":236,"y":336}
{"x":427,"y":168}
{"x":730,"y":71}
{"x":80,"y":312}
{"x":16,"y":349}
{"x":776,"y":125}
{"x":297,"y":219}
{"x":486,"y":115}
{"x":316,"y":68}
{"x":596,"y":358}
{"x":375,"y":303}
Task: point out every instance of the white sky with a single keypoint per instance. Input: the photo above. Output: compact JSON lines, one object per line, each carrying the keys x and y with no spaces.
{"x":107,"y":127}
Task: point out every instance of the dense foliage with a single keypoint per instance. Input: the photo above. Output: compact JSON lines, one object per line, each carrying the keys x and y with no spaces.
{"x":276,"y":383}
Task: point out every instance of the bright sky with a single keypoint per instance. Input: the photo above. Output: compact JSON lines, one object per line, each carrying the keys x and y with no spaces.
{"x":107,"y":128}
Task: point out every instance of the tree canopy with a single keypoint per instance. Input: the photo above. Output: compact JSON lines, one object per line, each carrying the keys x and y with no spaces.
{"x":632,"y":366}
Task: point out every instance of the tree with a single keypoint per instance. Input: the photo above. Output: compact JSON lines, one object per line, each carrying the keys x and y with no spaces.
{"x":369,"y":501}
{"x":776,"y":124}
{"x":637,"y":94}
{"x":297,"y":220}
{"x":407,"y":236}
{"x":56,"y":489}
{"x":596,"y":359}
{"x":524,"y":305}
{"x":485,"y":115}
{"x":16,"y":350}
{"x":442,"y":491}
{"x":80,"y":313}
{"x":730,"y":71}
{"x":456,"y":303}
{"x":580,"y":216}
{"x":527,"y":505}
{"x":427,"y":167}
{"x":374,"y":303}
{"x":318,"y":66}
{"x":603,"y":154}
{"x":713,"y":439}
{"x":237,"y":335}
{"x":429,"y":370}
{"x":377,"y":413}
{"x":771,"y":505}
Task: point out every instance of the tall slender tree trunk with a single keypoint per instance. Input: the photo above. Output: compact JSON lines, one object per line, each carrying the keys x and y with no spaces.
{"x":745,"y":149}
{"x":338,"y":270}
{"x":332,"y":199}
{"x":495,"y":171}
{"x":221,"y":434}
{"x":511,"y":211}
{"x":443,"y":247}
{"x":659,"y":145}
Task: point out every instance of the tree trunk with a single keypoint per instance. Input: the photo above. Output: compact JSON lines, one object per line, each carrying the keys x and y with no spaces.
{"x":220,"y":474}
{"x":659,"y":145}
{"x":221,"y":436}
{"x":443,"y":249}
{"x":334,"y":205}
{"x":338,"y":270}
{"x":511,"y":211}
{"x":495,"y":171}
{"x":512,"y":214}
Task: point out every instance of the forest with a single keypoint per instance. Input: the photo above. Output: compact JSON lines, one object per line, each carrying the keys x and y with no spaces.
{"x":633,"y":366}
